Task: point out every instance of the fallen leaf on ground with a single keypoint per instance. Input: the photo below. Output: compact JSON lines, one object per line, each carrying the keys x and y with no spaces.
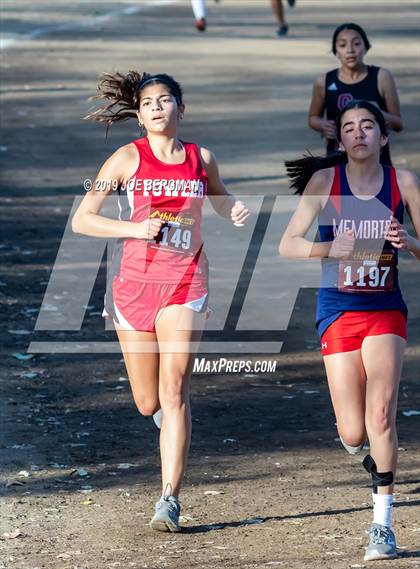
{"x":80,"y":471}
{"x":186,"y":518}
{"x":19,"y":356}
{"x":29,"y":375}
{"x":13,"y":534}
{"x":14,"y":483}
{"x":64,"y":556}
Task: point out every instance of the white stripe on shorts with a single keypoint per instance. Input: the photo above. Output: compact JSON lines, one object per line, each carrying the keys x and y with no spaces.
{"x":196,"y":305}
{"x":121,"y":320}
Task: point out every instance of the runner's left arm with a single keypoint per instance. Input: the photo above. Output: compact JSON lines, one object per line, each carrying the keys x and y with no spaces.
{"x":388,"y":90}
{"x":223,"y":203}
{"x":397,"y":234}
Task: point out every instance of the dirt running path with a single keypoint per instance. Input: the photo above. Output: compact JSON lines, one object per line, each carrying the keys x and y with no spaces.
{"x":268,"y":484}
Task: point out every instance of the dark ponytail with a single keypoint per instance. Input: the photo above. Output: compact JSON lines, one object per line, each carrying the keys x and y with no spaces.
{"x":301,"y":171}
{"x":123,"y":92}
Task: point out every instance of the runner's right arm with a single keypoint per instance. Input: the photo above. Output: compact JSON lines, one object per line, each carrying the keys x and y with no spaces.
{"x":316,"y":119}
{"x":87,"y":219}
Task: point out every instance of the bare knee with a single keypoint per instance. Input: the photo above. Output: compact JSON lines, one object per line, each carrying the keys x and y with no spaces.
{"x":352,"y":435}
{"x":146,"y":407}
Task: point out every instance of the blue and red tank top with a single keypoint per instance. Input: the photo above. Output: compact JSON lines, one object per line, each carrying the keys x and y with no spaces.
{"x":369,"y":279}
{"x":173,"y":193}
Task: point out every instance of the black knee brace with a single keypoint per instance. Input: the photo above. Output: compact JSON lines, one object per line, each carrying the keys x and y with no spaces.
{"x":378,"y":478}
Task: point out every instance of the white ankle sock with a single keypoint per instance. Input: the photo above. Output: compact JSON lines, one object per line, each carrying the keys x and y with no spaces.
{"x":382,"y":508}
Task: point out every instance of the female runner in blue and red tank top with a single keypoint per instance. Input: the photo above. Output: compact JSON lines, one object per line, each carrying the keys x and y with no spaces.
{"x":354,"y":79}
{"x":361,"y":314}
{"x":157,"y":293}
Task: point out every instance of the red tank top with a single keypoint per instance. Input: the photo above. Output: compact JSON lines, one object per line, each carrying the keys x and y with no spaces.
{"x":175,"y":194}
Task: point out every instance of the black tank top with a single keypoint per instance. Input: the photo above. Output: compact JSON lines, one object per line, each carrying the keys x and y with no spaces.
{"x":338,"y":94}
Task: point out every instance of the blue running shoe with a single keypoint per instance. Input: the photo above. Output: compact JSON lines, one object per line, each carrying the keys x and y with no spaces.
{"x":166,"y":516}
{"x":382,"y":544}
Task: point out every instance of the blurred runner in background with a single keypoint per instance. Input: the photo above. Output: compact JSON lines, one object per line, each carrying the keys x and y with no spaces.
{"x":354,"y":79}
{"x":278,"y":10}
{"x":199,"y":9}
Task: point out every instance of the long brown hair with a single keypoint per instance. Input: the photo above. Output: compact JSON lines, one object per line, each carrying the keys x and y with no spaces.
{"x":123,"y":92}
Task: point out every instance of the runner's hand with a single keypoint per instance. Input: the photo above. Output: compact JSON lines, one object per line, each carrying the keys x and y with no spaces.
{"x":329,"y":129}
{"x":343,"y":245}
{"x":147,"y":229}
{"x":397,"y":235}
{"x":239,"y":214}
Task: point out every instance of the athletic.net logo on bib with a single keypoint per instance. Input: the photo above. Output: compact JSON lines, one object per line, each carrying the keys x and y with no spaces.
{"x":176,"y":234}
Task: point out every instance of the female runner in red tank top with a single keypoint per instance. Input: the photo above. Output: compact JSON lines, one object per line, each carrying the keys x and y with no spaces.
{"x":158,"y":291}
{"x":354,"y":79}
{"x":361,"y":314}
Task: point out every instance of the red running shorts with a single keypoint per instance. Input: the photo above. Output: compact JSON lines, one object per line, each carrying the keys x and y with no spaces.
{"x":136,"y":305}
{"x":347,"y":333}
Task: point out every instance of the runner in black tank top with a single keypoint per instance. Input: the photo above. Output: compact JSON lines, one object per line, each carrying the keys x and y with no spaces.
{"x":352,"y":80}
{"x":338,"y":94}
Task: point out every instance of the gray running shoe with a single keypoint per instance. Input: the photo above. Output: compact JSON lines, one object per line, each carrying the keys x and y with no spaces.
{"x":158,"y":418}
{"x":382,"y":544}
{"x":166,"y":516}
